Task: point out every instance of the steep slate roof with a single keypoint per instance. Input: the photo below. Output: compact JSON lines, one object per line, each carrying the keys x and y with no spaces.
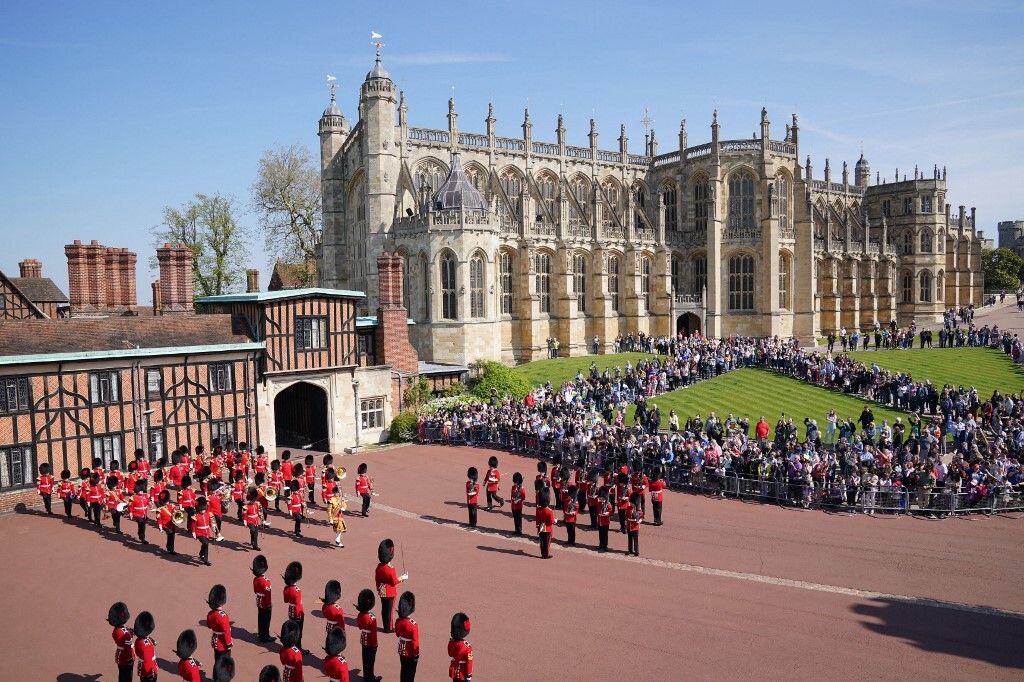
{"x":289,"y":276}
{"x":83,"y":335}
{"x":40,"y":289}
{"x":16,"y":291}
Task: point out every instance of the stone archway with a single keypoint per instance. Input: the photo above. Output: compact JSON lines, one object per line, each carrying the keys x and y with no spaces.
{"x":687,"y":324}
{"x":300,"y":417}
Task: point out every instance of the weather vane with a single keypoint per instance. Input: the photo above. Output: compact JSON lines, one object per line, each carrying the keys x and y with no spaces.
{"x":375,"y":40}
{"x":330,"y":81}
{"x":647,"y":121}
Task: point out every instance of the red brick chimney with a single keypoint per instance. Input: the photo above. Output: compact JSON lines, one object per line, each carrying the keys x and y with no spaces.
{"x":121,"y":294}
{"x":31,"y":268}
{"x":157,"y":298}
{"x":252,"y":281}
{"x":392,"y":335}
{"x":87,"y":279}
{"x":175,"y":279}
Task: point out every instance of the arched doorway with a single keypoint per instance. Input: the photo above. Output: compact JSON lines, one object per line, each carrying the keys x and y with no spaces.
{"x":300,"y":417}
{"x":687,"y":324}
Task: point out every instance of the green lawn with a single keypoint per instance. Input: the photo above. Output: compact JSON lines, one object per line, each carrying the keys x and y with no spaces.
{"x":984,"y":368}
{"x":560,"y":370}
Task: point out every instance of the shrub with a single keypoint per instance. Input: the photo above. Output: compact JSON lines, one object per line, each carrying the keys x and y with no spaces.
{"x":417,"y":393}
{"x":505,"y":380}
{"x":403,"y":427}
{"x":450,"y":401}
{"x":458,"y":388}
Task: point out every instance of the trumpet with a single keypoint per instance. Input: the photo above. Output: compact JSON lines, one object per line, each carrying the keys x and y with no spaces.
{"x":178,"y":517}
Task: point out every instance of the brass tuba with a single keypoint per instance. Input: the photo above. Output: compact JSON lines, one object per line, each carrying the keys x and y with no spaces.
{"x":270,"y":494}
{"x":341,"y":473}
{"x":178,"y":517}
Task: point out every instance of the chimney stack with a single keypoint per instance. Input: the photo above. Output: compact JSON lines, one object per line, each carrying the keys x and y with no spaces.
{"x":252,"y":281}
{"x":175,"y":279}
{"x":392,"y":334}
{"x":31,"y":268}
{"x":87,"y":280}
{"x":120,"y":267}
{"x":156,"y":298}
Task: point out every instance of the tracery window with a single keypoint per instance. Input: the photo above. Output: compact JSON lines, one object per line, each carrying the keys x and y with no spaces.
{"x":700,"y":206}
{"x":449,"y":303}
{"x":542,"y":266}
{"x":614,"y":265}
{"x":579,"y":281}
{"x":741,"y":283}
{"x":741,"y":200}
{"x":476,"y":287}
{"x":670,"y":199}
{"x":507,"y":280}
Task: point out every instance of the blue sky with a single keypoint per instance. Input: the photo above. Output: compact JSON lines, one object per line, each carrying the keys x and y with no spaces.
{"x":113,"y":110}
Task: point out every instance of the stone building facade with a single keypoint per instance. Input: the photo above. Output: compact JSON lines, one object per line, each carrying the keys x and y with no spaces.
{"x":507,"y":242}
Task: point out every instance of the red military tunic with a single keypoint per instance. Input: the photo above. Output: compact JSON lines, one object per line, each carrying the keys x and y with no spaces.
{"x":261,"y":588}
{"x":277,"y":481}
{"x":139,"y":505}
{"x":604,"y":515}
{"x":461,"y":666}
{"x":95,"y":494}
{"x":408,"y":633}
{"x":545,"y":520}
{"x":187,"y":498}
{"x":163,"y":517}
{"x":142,"y":468}
{"x":387,"y":580}
{"x":44,"y":486}
{"x":154,"y":492}
{"x":201,"y":525}
{"x":335,"y":616}
{"x":518,"y":497}
{"x":220,"y":630}
{"x":367,"y":624}
{"x":65,"y":489}
{"x":309,"y":476}
{"x":216,"y":506}
{"x":293,"y":598}
{"x":327,"y":490}
{"x":252,"y":514}
{"x":188,"y":668}
{"x":145,"y":649}
{"x":175,"y":474}
{"x":362,"y":484}
{"x":286,"y":470}
{"x":657,"y":490}
{"x":472,"y":492}
{"x":492,"y":479}
{"x":295,"y":503}
{"x":123,"y":655}
{"x":569,"y":511}
{"x":633,"y":518}
{"x":291,"y":662}
{"x":336,"y":669}
{"x":238,"y":491}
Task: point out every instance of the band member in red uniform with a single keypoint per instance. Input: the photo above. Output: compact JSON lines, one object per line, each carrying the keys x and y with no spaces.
{"x":563,"y":491}
{"x":291,"y":652}
{"x":541,"y":481}
{"x":262,"y":589}
{"x":95,"y":497}
{"x":44,"y":486}
{"x":364,"y":488}
{"x":335,"y":665}
{"x":124,"y":656}
{"x":261,"y":464}
{"x":139,"y":507}
{"x":657,"y":493}
{"x":325,"y":495}
{"x":569,"y":512}
{"x":295,"y":507}
{"x":555,"y":480}
{"x":309,"y":477}
{"x":592,"y":498}
{"x":202,"y":530}
{"x":328,"y":485}
{"x":145,"y":647}
{"x":640,"y":483}
{"x":517,"y":497}
{"x":165,"y":519}
{"x":293,"y":598}
{"x":157,"y":487}
{"x":604,"y":519}
{"x":238,"y":491}
{"x":492,"y":482}
{"x":408,"y":633}
{"x":634,"y":517}
{"x":332,"y":612}
{"x":287,"y":469}
{"x":84,"y":484}
{"x":66,"y":491}
{"x":387,"y":581}
{"x":277,"y":483}
{"x":460,"y":651}
{"x":253,"y":518}
{"x":622,"y":498}
{"x":199,"y":461}
{"x":218,"y":622}
{"x":187,"y":498}
{"x":176,"y":471}
{"x":111,"y":499}
{"x":472,"y":495}
{"x":367,"y":624}
{"x":215,"y":500}
{"x":545,"y":521}
{"x":141,"y":463}
{"x":188,"y":667}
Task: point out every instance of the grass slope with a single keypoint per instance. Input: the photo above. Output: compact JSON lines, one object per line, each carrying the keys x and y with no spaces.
{"x":984,"y":368}
{"x":560,"y":370}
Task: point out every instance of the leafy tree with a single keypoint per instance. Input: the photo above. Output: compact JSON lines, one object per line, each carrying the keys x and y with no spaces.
{"x":208,"y":226}
{"x":505,"y":381}
{"x":287,"y":198}
{"x":1003,"y":269}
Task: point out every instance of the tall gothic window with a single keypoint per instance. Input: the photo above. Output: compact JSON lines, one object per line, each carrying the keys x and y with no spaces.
{"x":926,"y":204}
{"x":645,"y":281}
{"x":908,"y":243}
{"x":614,"y":266}
{"x":430,"y":174}
{"x":639,"y":220}
{"x":926,"y":287}
{"x":670,"y":198}
{"x":579,"y":190}
{"x":926,"y":241}
{"x":546,"y":184}
{"x":700,"y":274}
{"x":782,"y":202}
{"x":783,"y":282}
{"x":741,"y":282}
{"x":476,"y":287}
{"x":448,"y":301}
{"x":676,"y":274}
{"x":542,"y":266}
{"x":512,"y":185}
{"x":579,"y":281}
{"x":507,"y":280}
{"x":908,"y":288}
{"x":741,"y":200}
{"x":610,"y":206}
{"x":940,"y":286}
{"x":700,"y":206}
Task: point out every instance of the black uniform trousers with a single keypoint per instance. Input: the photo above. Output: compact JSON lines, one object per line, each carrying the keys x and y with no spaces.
{"x":408,"y":668}
{"x":387,"y":614}
{"x":472,"y":514}
{"x":140,"y":524}
{"x":493,"y":496}
{"x":254,"y":537}
{"x":657,"y":512}
{"x":366,"y":503}
{"x":170,"y":532}
{"x":570,"y":529}
{"x":204,"y":548}
{"x":67,"y":506}
{"x":312,"y":502}
{"x":602,"y":535}
{"x":116,"y":517}
{"x":241,"y":506}
{"x":263,"y":624}
{"x":593,"y":517}
{"x":517,"y":519}
{"x":633,"y":542}
{"x":298,"y":523}
{"x":124,"y":672}
{"x":95,"y":511}
{"x":545,"y":544}
{"x":217,"y":655}
{"x":301,"y":622}
{"x":86,"y":511}
{"x":622,"y":520}
{"x":369,"y":661}
{"x":47,"y":502}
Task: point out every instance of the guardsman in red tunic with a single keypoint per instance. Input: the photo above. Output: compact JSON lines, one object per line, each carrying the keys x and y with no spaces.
{"x":97,"y":468}
{"x":295,"y":507}
{"x":332,"y":612}
{"x":545,"y":521}
{"x":199,"y":461}
{"x":517,"y":497}
{"x":634,"y":517}
{"x":326,"y":495}
{"x":408,"y":633}
{"x":44,"y":486}
{"x":569,"y":513}
{"x":66,"y":491}
{"x":309,"y":477}
{"x":187,"y":498}
{"x":592,"y":497}
{"x":291,"y":652}
{"x":540,"y":482}
{"x":387,"y":580}
{"x":264,"y":605}
{"x":145,"y":648}
{"x":657,"y":493}
{"x":157,"y":487}
{"x":218,"y":622}
{"x":287,"y":468}
{"x":138,"y":507}
{"x":622,"y":501}
{"x":84,"y":484}
{"x":112,"y":498}
{"x":335,"y":665}
{"x":640,"y":483}
{"x":492,"y":483}
{"x":253,"y":517}
{"x":238,"y":492}
{"x":472,"y":495}
{"x":329,"y":485}
{"x":124,"y":656}
{"x":95,"y":497}
{"x":165,"y":519}
{"x":293,"y":598}
{"x":367,"y":624}
{"x":460,"y":651}
{"x":363,"y":487}
{"x":141,"y":463}
{"x":604,"y":519}
{"x":188,"y":667}
{"x":176,"y":471}
{"x":215,"y":500}
{"x":555,"y":481}
{"x":261,"y":465}
{"x":277,"y":483}
{"x":202,"y":529}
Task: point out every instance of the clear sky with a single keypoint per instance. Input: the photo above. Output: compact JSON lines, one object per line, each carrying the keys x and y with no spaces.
{"x":113,"y":110}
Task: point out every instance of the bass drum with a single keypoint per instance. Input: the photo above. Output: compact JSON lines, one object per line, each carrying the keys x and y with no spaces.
{"x":121,"y":507}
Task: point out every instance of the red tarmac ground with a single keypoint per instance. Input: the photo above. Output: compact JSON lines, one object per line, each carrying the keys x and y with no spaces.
{"x":724,"y":589}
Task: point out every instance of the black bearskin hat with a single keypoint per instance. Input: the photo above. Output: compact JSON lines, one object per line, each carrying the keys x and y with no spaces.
{"x":97,"y":462}
{"x":563,"y":473}
{"x":308,"y":459}
{"x":243,"y":445}
{"x":200,"y":449}
{"x":603,"y":492}
{"x":292,"y":573}
{"x":112,"y":481}
{"x":260,"y":450}
{"x":460,"y":626}
{"x":94,"y":478}
{"x":366,"y":601}
{"x":252,"y":495}
{"x":542,"y":467}
{"x":572,"y":491}
{"x":330,"y":475}
{"x":386,"y":551}
{"x":492,"y":462}
{"x":261,"y":478}
{"x":118,"y":614}
{"x":270,"y":673}
{"x":406,"y":604}
{"x":335,"y":643}
{"x":275,"y":465}
{"x":634,"y":499}
{"x":140,"y":486}
{"x":332,"y":592}
{"x":85,"y":473}
{"x":44,"y":469}
{"x":361,"y":469}
{"x":176,"y":458}
{"x":224,"y":669}
{"x":218,"y":596}
{"x":165,"y":497}
{"x":544,"y":498}
{"x":65,"y":475}
{"x":538,"y":484}
{"x":622,"y":478}
{"x":472,"y":474}
{"x":158,"y":476}
{"x":328,"y":460}
{"x":144,"y":624}
{"x":204,"y":473}
{"x":592,"y":475}
{"x":238,"y":475}
{"x":293,"y":485}
{"x":286,"y":455}
{"x":139,"y":453}
{"x":556,"y":459}
{"x":290,"y":633}
{"x":213,"y":484}
{"x":186,"y":481}
{"x":132,"y":466}
{"x":201,"y":504}
{"x":298,"y":470}
{"x":259,"y":565}
{"x":517,"y":478}
{"x":187,"y":644}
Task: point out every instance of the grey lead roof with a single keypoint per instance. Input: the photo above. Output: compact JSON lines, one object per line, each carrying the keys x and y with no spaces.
{"x":378,"y":72}
{"x":457,"y":191}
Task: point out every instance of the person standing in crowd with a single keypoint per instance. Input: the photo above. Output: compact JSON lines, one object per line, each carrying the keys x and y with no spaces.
{"x":332,"y":611}
{"x":545,"y":520}
{"x":124,"y":656}
{"x":145,"y":647}
{"x":335,"y":665}
{"x":657,"y":493}
{"x":408,"y":633}
{"x":364,"y":488}
{"x":492,"y":482}
{"x":291,"y":651}
{"x":218,"y":622}
{"x":44,"y":486}
{"x":460,"y":651}
{"x":472,"y":495}
{"x":387,"y":581}
{"x":293,"y":598}
{"x":188,"y":667}
{"x":517,"y":497}
{"x":262,"y":589}
{"x":367,"y":624}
